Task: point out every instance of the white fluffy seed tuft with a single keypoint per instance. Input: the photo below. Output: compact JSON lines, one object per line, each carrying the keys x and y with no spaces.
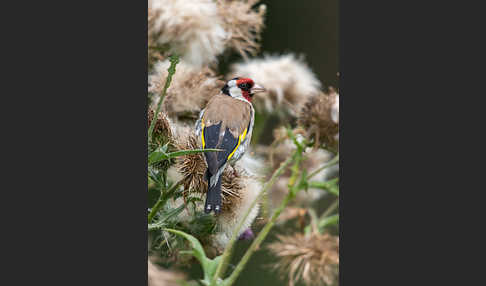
{"x":193,"y":28}
{"x":287,"y":78}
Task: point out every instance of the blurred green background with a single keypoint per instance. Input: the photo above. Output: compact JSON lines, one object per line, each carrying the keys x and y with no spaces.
{"x":309,"y":28}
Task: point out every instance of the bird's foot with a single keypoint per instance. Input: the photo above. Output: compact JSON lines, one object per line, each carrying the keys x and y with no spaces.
{"x":209,"y":208}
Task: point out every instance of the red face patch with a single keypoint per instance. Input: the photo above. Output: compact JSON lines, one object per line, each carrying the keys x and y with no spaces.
{"x":245,"y":84}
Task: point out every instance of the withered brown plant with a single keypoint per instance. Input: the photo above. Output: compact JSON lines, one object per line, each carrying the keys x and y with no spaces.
{"x":289,"y":81}
{"x":192,"y":29}
{"x":313,"y":259}
{"x":154,"y":51}
{"x":189,"y":92}
{"x":238,"y":188}
{"x":317,"y":118}
{"x":243,"y":24}
{"x":193,"y":168}
{"x":162,"y":127}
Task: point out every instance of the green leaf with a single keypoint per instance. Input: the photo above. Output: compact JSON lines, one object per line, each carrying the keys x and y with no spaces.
{"x":329,"y":186}
{"x":209,"y":265}
{"x":328,"y":221}
{"x":160,"y":155}
{"x":195,"y":151}
{"x":157,"y":156}
{"x":165,"y":217}
{"x":197,"y":249}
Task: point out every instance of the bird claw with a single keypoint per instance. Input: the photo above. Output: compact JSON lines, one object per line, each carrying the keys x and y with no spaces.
{"x":209,"y":208}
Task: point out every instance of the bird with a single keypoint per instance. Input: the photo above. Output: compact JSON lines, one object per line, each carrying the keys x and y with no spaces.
{"x":226,"y":123}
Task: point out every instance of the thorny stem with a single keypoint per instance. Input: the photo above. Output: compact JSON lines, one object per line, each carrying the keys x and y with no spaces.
{"x":226,"y":254}
{"x":334,"y":161}
{"x":330,"y":209}
{"x":329,"y":186}
{"x":159,"y":202}
{"x":174,"y":60}
{"x":293,"y":190}
{"x":322,"y":220}
{"x":330,"y":220}
{"x":313,"y":223}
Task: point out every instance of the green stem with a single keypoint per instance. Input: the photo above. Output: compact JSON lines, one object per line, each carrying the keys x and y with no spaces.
{"x":174,"y":60}
{"x":227,"y":252}
{"x":324,"y":220}
{"x":314,"y":221}
{"x":162,"y":199}
{"x":329,"y":186}
{"x":293,"y":190}
{"x":328,"y":221}
{"x":330,"y":209}
{"x":334,"y":161}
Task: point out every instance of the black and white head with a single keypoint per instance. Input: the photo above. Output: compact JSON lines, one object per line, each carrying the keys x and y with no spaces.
{"x":241,"y":87}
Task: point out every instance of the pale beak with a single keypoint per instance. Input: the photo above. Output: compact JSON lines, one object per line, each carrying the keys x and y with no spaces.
{"x":256,"y":88}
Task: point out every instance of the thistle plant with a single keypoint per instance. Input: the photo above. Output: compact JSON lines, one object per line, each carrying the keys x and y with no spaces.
{"x":273,"y":183}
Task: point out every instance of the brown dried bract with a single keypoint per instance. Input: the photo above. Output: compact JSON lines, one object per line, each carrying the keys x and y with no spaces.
{"x":313,"y":259}
{"x":316,"y":117}
{"x":189,"y":92}
{"x":162,"y":126}
{"x":193,"y":168}
{"x":243,"y":24}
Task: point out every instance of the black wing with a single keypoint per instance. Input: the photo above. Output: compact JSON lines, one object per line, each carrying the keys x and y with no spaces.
{"x":216,"y":160}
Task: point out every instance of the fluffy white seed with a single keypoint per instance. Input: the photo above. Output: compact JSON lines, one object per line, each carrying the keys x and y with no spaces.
{"x":191,"y":28}
{"x":288,"y":80}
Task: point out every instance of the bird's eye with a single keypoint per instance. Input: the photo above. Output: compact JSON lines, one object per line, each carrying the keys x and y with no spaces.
{"x":244,"y":86}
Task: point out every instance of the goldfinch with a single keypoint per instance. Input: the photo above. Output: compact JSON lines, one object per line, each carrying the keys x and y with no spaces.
{"x":226,"y":123}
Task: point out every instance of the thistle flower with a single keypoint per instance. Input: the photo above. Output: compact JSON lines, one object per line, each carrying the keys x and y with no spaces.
{"x":288,"y":80}
{"x":190,"y":28}
{"x":243,"y":24}
{"x":190,"y":89}
{"x":320,"y":116}
{"x":160,"y":277}
{"x":162,"y":126}
{"x":192,"y":167}
{"x":238,"y":187}
{"x":312,"y":259}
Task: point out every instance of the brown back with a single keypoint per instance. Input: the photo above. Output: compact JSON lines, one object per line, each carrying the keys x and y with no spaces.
{"x":233,"y":113}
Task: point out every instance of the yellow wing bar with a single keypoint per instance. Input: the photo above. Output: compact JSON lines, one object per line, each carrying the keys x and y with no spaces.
{"x":202,"y":134}
{"x":241,"y":138}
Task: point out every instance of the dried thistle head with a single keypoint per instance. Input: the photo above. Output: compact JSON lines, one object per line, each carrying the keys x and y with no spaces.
{"x":313,"y":259}
{"x":192,"y":29}
{"x":189,"y":92}
{"x":162,"y":132}
{"x":320,"y":117}
{"x":288,"y":80}
{"x":161,"y":277}
{"x":162,"y":126}
{"x":192,"y":167}
{"x":243,"y":24}
{"x":238,"y":187}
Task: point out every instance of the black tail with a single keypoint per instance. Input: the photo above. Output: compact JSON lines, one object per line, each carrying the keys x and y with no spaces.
{"x":213,"y":198}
